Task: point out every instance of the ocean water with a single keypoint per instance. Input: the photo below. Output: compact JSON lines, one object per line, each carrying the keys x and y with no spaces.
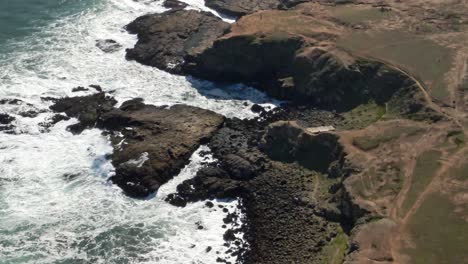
{"x":56,"y":205}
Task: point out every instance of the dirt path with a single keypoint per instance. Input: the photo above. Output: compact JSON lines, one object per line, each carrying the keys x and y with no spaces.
{"x":450,"y":162}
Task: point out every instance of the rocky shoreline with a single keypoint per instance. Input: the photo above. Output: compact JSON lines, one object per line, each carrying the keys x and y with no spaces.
{"x":292,"y":179}
{"x":264,"y":162}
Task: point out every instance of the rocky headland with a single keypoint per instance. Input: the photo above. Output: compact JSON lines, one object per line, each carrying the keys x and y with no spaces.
{"x":343,"y":172}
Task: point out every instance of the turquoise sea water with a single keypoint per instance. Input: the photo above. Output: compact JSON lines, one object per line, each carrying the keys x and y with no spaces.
{"x":20,"y":18}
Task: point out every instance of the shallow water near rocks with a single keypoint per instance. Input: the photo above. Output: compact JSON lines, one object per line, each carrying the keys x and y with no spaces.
{"x":56,"y":205}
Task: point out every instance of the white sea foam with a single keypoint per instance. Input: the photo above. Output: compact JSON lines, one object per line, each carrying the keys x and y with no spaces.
{"x":57,"y":205}
{"x":55,"y":202}
{"x":64,"y":56}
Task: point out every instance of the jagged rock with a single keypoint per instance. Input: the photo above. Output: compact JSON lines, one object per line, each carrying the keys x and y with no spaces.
{"x":6,"y":119}
{"x":10,"y":101}
{"x":54,"y":120}
{"x":176,"y":200}
{"x":165,"y":39}
{"x":159,"y":144}
{"x":283,"y":222}
{"x":245,"y":58}
{"x":79,"y":89}
{"x":108,"y":45}
{"x":87,"y":109}
{"x":256,"y":108}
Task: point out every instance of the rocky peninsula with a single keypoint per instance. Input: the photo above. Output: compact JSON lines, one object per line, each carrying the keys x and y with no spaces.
{"x":359,"y":193}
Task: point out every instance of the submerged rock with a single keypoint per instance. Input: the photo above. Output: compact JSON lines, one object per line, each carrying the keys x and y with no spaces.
{"x":108,"y":45}
{"x":165,"y":39}
{"x":6,"y":119}
{"x":174,"y":4}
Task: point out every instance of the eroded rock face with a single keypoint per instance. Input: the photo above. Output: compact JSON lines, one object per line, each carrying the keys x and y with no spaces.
{"x":165,"y":39}
{"x":287,"y":219}
{"x":151,"y":144}
{"x":260,"y":61}
{"x":288,"y":142}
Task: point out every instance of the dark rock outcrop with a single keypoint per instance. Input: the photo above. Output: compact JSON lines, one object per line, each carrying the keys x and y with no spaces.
{"x":165,"y":39}
{"x":159,"y":144}
{"x":285,"y":212}
{"x":6,"y":119}
{"x":152,"y":144}
{"x":288,"y":142}
{"x":247,"y":58}
{"x":5,"y":123}
{"x":87,"y":109}
{"x":79,"y":89}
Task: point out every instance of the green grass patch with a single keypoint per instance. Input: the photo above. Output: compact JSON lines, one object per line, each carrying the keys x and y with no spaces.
{"x":439,"y":234}
{"x":457,"y":137}
{"x":427,"y":165}
{"x":461,"y":171}
{"x":356,"y":14}
{"x":422,"y":57}
{"x":335,"y":251}
{"x":367,"y":143}
{"x":387,"y":180}
{"x":362,"y":116}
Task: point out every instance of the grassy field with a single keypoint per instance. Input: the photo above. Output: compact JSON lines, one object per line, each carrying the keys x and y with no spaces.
{"x":426,"y":166}
{"x":460,"y":172}
{"x":362,"y":116}
{"x":358,"y":14}
{"x":422,"y":57}
{"x":385,"y":181}
{"x":438,"y":233}
{"x":334,"y":252}
{"x":367,"y":143}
